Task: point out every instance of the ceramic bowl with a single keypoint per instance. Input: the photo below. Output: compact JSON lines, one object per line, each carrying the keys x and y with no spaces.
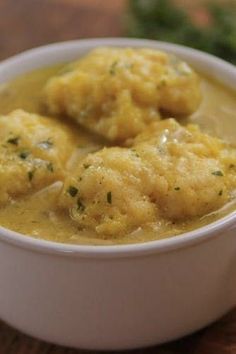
{"x":117,"y":297}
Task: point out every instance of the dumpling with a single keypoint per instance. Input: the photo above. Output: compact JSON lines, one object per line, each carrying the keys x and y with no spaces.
{"x":170,"y":173}
{"x":117,"y":92}
{"x":33,"y":153}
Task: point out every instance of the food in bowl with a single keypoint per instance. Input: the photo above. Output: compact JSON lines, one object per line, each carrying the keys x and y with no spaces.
{"x":111,"y":297}
{"x":121,"y":160}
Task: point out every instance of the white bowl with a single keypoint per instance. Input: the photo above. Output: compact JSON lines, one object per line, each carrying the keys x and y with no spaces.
{"x":117,"y":297}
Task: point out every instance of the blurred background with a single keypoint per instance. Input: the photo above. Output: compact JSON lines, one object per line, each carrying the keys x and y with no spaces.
{"x":209,"y":25}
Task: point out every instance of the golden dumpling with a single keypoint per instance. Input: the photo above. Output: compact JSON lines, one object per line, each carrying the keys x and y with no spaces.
{"x":170,"y":172}
{"x":33,"y":153}
{"x":117,"y":92}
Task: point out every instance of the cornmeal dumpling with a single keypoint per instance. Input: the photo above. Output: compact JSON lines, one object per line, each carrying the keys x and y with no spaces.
{"x":170,"y":173}
{"x":33,"y":153}
{"x":117,"y":92}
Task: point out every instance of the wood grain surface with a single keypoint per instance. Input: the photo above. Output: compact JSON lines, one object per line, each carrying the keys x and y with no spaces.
{"x":29,"y":23}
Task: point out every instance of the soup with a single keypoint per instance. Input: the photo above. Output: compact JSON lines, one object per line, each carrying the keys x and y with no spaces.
{"x":37,"y":213}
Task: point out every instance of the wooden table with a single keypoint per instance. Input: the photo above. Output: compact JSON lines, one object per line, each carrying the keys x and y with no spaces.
{"x":29,"y":23}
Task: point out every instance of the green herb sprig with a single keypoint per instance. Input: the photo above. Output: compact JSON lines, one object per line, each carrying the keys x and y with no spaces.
{"x":164,"y":20}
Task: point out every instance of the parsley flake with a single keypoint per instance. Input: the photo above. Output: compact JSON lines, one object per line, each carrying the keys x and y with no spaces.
{"x":50,"y":167}
{"x":30,"y":175}
{"x":218,"y":173}
{"x":84,"y":113}
{"x":24,"y":154}
{"x":109,"y":197}
{"x":135,"y":152}
{"x":72,"y":191}
{"x":80,"y":206}
{"x":14,"y":141}
{"x":112,"y":69}
{"x":162,"y":83}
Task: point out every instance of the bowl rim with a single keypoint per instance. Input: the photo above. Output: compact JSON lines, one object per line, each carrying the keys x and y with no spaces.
{"x":157,"y":246}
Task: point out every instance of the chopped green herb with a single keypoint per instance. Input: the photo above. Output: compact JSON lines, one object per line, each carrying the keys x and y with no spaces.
{"x":161,"y":84}
{"x":14,"y":141}
{"x":135,"y":152}
{"x":218,"y":173}
{"x":167,"y":21}
{"x":129,"y":65}
{"x":84,"y":113}
{"x":47,"y":144}
{"x":50,"y":167}
{"x":30,"y":175}
{"x":109,"y":197}
{"x":177,"y":188}
{"x":220,"y":192}
{"x":72,"y":191}
{"x":24,"y":154}
{"x":86,"y":166}
{"x":80,"y":206}
{"x":113,"y":66}
{"x":160,"y":150}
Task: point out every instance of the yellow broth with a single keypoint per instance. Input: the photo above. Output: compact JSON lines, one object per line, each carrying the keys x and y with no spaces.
{"x":37,"y":215}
